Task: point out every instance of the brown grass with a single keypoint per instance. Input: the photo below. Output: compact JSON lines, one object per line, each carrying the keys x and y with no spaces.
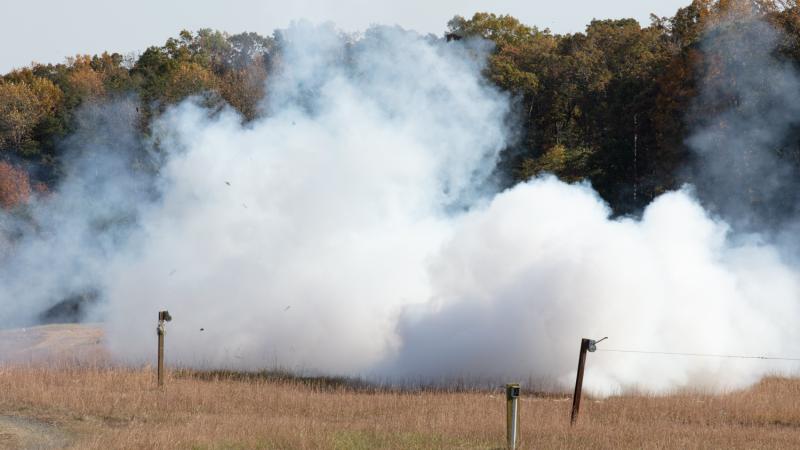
{"x":106,"y":408}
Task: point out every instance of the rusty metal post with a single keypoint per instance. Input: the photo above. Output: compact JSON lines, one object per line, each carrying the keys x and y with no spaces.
{"x":161,"y":330}
{"x":576,"y":398}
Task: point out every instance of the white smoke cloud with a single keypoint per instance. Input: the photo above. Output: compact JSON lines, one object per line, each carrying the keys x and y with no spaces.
{"x":543,"y":265}
{"x":352,"y":231}
{"x":299,"y":238}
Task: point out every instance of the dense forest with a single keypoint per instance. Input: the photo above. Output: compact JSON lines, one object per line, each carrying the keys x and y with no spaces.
{"x":614,"y":104}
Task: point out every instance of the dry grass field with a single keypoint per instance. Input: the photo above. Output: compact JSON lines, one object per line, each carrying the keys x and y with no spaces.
{"x":79,"y":405}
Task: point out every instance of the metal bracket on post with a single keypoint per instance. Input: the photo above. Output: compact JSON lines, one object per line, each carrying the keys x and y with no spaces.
{"x":161,"y":331}
{"x":512,"y":415}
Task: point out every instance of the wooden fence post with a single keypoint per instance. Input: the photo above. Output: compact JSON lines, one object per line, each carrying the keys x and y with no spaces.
{"x":161,"y":330}
{"x":576,"y":398}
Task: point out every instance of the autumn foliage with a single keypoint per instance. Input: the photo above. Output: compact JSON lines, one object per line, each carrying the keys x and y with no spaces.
{"x":15,"y":186}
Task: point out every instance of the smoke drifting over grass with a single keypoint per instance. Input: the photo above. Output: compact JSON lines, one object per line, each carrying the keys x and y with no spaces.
{"x":354,"y":231}
{"x":543,"y":265}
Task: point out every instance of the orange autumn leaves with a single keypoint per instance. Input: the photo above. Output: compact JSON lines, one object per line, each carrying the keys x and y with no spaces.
{"x":15,"y":186}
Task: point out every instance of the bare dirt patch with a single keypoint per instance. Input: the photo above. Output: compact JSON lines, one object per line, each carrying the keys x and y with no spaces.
{"x":49,"y":343}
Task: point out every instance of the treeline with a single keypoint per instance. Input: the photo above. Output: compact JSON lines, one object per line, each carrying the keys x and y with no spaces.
{"x":613,"y":105}
{"x":38,"y":103}
{"x":616,"y":104}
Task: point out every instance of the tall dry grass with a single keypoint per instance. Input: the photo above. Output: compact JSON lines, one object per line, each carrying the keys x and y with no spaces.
{"x":104,"y":408}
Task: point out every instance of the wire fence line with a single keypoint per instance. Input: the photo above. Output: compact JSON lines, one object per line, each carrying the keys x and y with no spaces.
{"x":700,"y":355}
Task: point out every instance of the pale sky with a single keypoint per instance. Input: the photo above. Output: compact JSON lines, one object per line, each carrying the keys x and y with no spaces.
{"x":49,"y":30}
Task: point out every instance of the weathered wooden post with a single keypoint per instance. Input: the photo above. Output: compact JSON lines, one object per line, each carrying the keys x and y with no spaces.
{"x":161,"y":330}
{"x":590,"y":346}
{"x":512,"y":415}
{"x":576,"y":397}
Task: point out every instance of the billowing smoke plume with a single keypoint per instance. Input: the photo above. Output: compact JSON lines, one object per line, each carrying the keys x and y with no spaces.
{"x":300,"y":238}
{"x":354,"y":230}
{"x":543,"y":265}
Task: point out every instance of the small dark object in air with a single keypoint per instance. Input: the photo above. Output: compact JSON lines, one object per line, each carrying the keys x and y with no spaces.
{"x":173,"y":272}
{"x":452,"y":37}
{"x":202,"y":329}
{"x":228,"y":183}
{"x":287,"y":308}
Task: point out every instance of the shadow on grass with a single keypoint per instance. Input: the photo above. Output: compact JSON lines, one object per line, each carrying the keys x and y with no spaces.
{"x":331,"y":383}
{"x":363,"y":385}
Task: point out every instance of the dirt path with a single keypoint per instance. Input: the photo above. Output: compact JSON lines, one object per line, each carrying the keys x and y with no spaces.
{"x":50,"y":343}
{"x":44,"y":344}
{"x":24,"y":433}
